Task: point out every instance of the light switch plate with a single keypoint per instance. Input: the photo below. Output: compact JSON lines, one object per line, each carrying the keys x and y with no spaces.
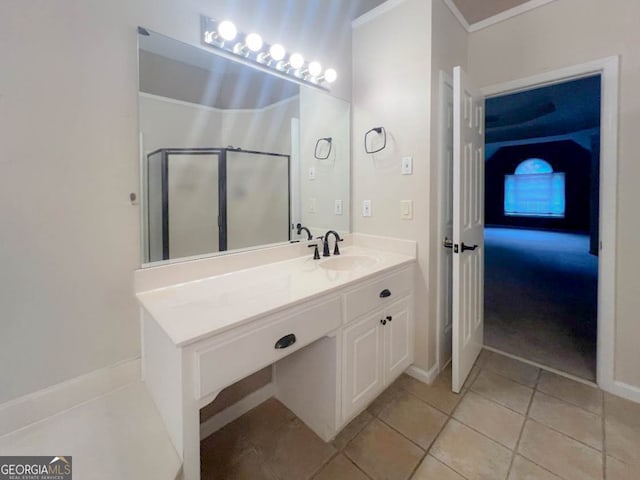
{"x":366,"y":208}
{"x":406,"y":209}
{"x":407,"y":165}
{"x":312,"y":173}
{"x":337,"y":209}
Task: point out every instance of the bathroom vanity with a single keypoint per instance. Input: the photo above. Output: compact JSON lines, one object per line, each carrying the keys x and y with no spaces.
{"x":337,"y":331}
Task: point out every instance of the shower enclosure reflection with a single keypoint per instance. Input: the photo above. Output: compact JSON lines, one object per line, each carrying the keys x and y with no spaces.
{"x":215,"y":199}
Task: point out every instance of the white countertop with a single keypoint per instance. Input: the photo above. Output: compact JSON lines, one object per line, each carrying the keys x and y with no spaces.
{"x":194,"y":310}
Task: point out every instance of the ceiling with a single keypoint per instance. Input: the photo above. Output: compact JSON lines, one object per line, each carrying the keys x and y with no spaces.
{"x":559,"y":109}
{"x":475,"y":11}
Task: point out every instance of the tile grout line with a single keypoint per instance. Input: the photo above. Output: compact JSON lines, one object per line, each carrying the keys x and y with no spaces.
{"x":524,"y":423}
{"x":462,"y":394}
{"x":539,"y":423}
{"x":541,"y":366}
{"x":557,"y":397}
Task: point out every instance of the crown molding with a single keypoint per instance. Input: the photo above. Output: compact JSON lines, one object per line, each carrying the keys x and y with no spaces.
{"x":376,"y":12}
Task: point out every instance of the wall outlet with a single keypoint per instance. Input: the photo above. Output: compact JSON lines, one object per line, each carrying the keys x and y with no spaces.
{"x":407,"y":165}
{"x":366,"y":208}
{"x":337,"y":208}
{"x":406,"y":209}
{"x":312,"y":205}
{"x":312,"y":173}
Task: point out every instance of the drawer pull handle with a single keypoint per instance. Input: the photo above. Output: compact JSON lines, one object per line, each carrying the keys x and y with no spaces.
{"x":389,"y":318}
{"x":286,"y":341}
{"x":385,"y":293}
{"x":383,"y":321}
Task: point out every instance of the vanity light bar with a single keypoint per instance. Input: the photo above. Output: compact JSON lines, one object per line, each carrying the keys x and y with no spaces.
{"x":224,"y":36}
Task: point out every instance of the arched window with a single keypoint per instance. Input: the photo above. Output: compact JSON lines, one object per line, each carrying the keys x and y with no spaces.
{"x":534,"y":190}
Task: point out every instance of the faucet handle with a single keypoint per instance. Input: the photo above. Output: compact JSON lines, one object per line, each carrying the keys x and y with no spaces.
{"x":316,"y":253}
{"x":336,"y":250}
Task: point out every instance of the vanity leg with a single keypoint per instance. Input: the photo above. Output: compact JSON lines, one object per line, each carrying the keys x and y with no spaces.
{"x":190,"y":420}
{"x":191,"y":441}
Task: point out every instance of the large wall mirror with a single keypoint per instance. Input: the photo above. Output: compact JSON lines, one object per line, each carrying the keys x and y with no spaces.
{"x":233,"y":157}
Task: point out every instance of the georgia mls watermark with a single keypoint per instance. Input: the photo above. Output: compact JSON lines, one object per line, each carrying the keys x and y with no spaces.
{"x":35,"y":468}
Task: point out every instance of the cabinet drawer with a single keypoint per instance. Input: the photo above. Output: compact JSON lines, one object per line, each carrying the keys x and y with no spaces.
{"x":368,"y":297}
{"x":255,"y":348}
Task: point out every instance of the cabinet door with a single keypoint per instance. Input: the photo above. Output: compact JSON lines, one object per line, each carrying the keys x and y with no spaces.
{"x":362,"y":363}
{"x":398,"y":339}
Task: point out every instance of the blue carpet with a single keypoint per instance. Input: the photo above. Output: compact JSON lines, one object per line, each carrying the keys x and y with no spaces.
{"x":541,"y":298}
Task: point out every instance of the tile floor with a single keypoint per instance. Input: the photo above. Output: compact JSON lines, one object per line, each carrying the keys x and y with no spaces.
{"x":511,"y":421}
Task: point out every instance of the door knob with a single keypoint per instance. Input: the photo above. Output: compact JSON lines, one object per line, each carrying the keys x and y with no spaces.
{"x":446,"y":243}
{"x":468,"y":247}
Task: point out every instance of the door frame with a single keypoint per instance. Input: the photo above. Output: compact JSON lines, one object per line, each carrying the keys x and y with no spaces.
{"x":608,"y":69}
{"x":443,"y":308}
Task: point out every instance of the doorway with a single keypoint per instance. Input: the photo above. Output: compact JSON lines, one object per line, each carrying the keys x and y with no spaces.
{"x":608,"y":69}
{"x":542,"y":156}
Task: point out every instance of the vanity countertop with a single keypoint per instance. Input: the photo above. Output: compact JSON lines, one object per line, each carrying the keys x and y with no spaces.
{"x":197,"y":309}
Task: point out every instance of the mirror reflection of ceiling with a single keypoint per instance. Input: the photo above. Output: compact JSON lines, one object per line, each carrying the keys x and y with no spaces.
{"x":559,"y":109}
{"x":477,"y":10}
{"x":176,"y":70}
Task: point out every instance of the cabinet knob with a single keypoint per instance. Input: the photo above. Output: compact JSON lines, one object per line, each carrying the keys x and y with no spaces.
{"x":385,"y":293}
{"x":383,"y":321}
{"x":389,"y":318}
{"x":285,"y":341}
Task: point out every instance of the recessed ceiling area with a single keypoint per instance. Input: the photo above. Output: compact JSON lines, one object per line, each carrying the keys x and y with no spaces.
{"x":559,"y":109}
{"x":475,"y":11}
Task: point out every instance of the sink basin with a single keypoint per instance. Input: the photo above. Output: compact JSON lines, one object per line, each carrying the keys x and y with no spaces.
{"x":348,"y":262}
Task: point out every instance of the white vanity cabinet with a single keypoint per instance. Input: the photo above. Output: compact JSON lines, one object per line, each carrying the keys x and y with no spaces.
{"x":349,"y":335}
{"x":377,"y":346}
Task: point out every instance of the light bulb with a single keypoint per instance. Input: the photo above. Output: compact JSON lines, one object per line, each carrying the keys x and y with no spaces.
{"x":296,"y":61}
{"x":227,"y":30}
{"x":254,"y":42}
{"x":330,"y":75}
{"x":315,"y":69}
{"x":277,"y":52}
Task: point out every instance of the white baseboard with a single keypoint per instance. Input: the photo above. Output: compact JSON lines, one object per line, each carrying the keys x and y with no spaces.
{"x":623,"y":390}
{"x":422,"y":375}
{"x":36,"y":406}
{"x":236,"y":410}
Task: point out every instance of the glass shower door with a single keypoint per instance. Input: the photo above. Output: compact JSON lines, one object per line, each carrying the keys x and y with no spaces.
{"x":257,"y":210}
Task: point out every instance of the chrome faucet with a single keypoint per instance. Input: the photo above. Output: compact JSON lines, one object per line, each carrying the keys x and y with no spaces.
{"x":325,"y":249}
{"x":299,"y":228}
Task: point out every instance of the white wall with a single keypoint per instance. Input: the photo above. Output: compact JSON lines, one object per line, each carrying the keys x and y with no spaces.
{"x":69,"y":159}
{"x":323,"y":116}
{"x":267,"y":129}
{"x":391,"y":88}
{"x":569,"y":32}
{"x":167,"y":123}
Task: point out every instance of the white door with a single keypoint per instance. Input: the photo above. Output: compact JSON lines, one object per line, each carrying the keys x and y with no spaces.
{"x":468,"y":226}
{"x":363,"y":359}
